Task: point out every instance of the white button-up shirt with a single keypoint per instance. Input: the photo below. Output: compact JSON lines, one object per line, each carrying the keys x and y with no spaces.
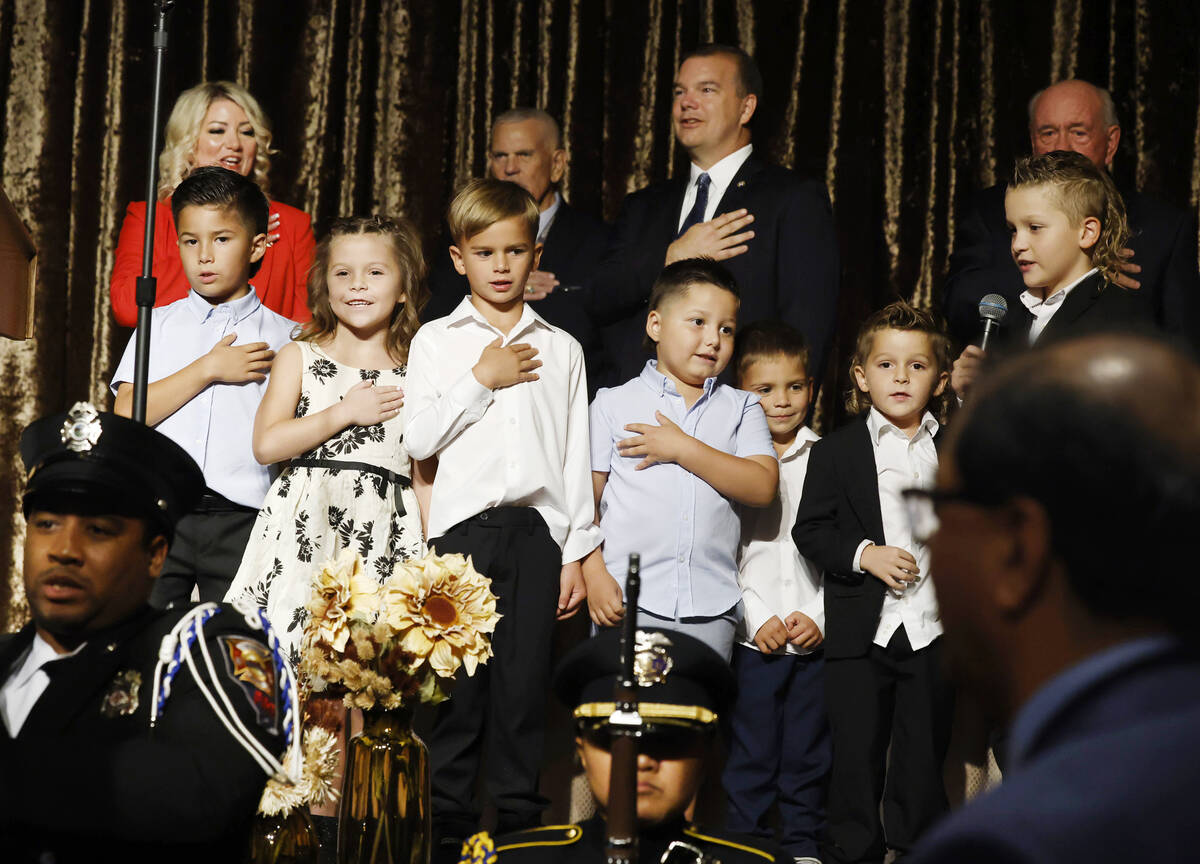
{"x":522,"y":446}
{"x":776,"y":579}
{"x":904,"y":463}
{"x":27,"y":682}
{"x":720,"y":175}
{"x":215,"y":426}
{"x":1043,"y":310}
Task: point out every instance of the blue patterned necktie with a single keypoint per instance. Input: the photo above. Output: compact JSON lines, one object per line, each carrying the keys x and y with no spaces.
{"x":696,"y":214}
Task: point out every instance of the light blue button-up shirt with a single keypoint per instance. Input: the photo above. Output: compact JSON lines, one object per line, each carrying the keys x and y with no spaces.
{"x":685,"y":531}
{"x":215,"y":426}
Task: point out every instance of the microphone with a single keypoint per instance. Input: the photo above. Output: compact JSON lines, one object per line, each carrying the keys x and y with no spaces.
{"x":992,"y":310}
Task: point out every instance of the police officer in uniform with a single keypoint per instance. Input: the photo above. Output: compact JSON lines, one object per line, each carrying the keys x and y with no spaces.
{"x":84,"y":775}
{"x":684,"y":688}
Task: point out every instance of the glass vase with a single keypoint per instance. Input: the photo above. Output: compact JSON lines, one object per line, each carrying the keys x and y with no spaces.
{"x":284,"y":839}
{"x":384,"y":816}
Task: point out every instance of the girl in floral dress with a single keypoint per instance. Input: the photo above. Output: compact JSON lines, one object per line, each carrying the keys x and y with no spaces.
{"x":334,"y":414}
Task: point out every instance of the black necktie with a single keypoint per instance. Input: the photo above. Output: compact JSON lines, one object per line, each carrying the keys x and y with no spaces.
{"x":696,"y":214}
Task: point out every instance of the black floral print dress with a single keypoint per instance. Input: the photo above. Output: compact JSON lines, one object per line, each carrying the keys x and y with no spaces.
{"x":313,"y":515}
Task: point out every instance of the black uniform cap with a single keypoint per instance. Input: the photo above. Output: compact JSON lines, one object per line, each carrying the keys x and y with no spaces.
{"x":681,"y":681}
{"x":89,"y":461}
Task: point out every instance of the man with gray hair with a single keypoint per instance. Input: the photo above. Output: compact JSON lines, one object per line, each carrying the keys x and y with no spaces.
{"x":1075,"y":115}
{"x":526,"y":149}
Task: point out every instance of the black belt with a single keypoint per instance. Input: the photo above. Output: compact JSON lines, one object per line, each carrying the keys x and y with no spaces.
{"x":399,"y":481}
{"x":215,"y":502}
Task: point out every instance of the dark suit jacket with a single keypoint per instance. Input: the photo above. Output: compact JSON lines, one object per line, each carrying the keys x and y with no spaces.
{"x":1092,"y":306}
{"x":838,"y":510}
{"x":1111,"y":779}
{"x":80,"y":779}
{"x":573,"y":250}
{"x":1164,"y":245}
{"x":790,"y":271}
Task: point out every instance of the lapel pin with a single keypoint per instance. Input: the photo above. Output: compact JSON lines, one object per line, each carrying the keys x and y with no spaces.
{"x":741,"y":184}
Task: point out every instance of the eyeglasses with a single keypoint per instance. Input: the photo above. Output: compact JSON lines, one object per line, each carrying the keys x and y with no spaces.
{"x":922,"y":505}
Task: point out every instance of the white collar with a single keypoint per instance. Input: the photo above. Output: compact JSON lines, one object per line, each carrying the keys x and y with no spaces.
{"x":546,"y":218}
{"x":1032,"y":302}
{"x":878,"y":424}
{"x":805,"y":438}
{"x":466,"y":311}
{"x":39,"y":653}
{"x":722,"y":172}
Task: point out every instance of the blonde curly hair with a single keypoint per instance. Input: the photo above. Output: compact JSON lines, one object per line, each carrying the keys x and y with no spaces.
{"x":1080,"y":190}
{"x":183,"y":131}
{"x":902,"y":315}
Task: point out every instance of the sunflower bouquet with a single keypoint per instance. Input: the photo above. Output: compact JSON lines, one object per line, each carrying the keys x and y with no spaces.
{"x":382,"y":645}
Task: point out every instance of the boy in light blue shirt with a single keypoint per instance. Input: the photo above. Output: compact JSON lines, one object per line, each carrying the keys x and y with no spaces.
{"x":210,"y":354}
{"x":672,"y":451}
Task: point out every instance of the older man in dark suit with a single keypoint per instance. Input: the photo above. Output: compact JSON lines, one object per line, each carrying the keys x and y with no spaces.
{"x":1069,"y":603}
{"x":772,"y":228}
{"x":1076,"y":115}
{"x":526,"y":149}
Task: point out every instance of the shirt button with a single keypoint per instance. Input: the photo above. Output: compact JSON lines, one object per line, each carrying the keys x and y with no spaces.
{"x":512,"y":421}
{"x":916,"y":476}
{"x":680,"y":559}
{"x":685,"y":517}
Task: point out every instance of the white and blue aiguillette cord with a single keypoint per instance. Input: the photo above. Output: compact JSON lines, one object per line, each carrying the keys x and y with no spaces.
{"x":176,"y":651}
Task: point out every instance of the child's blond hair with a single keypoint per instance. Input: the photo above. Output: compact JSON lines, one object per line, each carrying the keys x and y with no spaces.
{"x":1080,"y":190}
{"x":405,"y":241}
{"x":483,"y":202}
{"x":901,"y":315}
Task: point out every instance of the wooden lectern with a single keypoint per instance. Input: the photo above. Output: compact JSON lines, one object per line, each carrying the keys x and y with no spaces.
{"x":18,"y":273}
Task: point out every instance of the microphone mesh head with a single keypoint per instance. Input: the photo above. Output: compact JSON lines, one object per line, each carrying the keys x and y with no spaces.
{"x":993,"y":307}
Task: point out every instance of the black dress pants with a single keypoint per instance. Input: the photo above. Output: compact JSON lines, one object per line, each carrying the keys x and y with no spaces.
{"x":206,"y":553}
{"x":895,"y":697}
{"x":501,"y":708}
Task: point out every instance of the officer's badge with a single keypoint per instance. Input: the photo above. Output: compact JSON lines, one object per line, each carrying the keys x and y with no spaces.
{"x":121,"y":699}
{"x":250,"y":666}
{"x":81,"y":430}
{"x":651,"y":662}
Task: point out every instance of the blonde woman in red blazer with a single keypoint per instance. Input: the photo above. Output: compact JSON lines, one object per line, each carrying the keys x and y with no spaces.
{"x":214,"y":123}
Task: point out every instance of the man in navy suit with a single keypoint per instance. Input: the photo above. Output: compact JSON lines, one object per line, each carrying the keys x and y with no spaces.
{"x":1062,"y":526}
{"x":1076,"y":115}
{"x":772,"y":228}
{"x":527,"y":149}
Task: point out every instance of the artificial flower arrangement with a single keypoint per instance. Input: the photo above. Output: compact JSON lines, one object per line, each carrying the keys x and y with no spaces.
{"x":379,"y":646}
{"x":382,"y":645}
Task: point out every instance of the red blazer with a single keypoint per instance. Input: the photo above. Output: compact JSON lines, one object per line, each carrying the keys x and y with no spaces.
{"x":281,"y":280}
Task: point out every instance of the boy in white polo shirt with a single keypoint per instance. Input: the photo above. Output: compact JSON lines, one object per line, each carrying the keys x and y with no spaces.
{"x":209,"y":357}
{"x":779,"y":750}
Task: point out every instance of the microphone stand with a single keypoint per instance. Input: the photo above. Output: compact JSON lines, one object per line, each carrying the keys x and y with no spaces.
{"x":147,"y":285}
{"x":625,"y":725}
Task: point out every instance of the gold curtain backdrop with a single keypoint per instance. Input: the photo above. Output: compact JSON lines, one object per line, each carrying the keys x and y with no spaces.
{"x":902,"y":106}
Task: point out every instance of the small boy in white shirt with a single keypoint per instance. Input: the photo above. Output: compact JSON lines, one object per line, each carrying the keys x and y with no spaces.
{"x":513,"y":490}
{"x":210,"y":354}
{"x":779,"y":751}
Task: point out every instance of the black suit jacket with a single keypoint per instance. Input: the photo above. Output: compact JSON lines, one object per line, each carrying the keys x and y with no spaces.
{"x":572,"y":251}
{"x":790,"y":271}
{"x":80,"y":778}
{"x":1092,"y":306}
{"x":1164,"y":245}
{"x":838,"y":510}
